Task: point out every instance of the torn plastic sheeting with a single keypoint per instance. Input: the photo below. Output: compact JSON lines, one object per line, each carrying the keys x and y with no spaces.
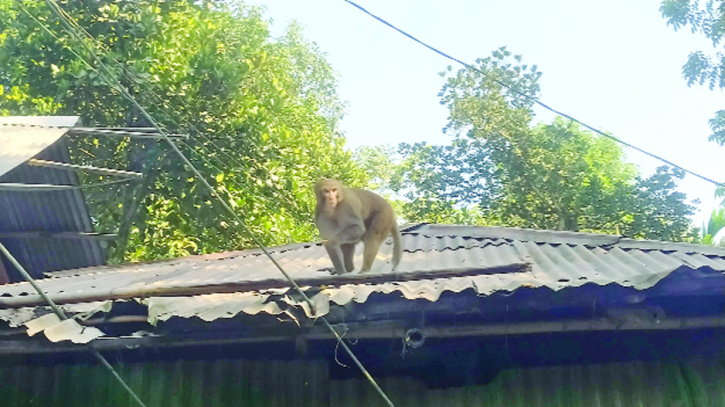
{"x":411,"y":290}
{"x":489,"y":284}
{"x":56,"y":330}
{"x":42,"y":323}
{"x":321,"y":302}
{"x":209,"y":307}
{"x":16,"y":317}
{"x":358,"y":292}
{"x":71,"y":330}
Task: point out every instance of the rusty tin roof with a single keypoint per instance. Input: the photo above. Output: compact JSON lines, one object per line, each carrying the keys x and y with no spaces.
{"x":486,"y":260}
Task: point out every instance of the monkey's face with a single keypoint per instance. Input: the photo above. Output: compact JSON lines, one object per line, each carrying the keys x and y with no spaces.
{"x":331,"y":196}
{"x":329,"y":192}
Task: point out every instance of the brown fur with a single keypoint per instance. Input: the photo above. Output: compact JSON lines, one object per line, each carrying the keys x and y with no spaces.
{"x":347,"y":216}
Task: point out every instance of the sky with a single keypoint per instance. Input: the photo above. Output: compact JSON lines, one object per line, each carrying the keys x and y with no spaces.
{"x":614,"y":65}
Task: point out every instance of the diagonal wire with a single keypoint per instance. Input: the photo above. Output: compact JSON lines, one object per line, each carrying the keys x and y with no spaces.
{"x":138,"y":81}
{"x":128,"y":73}
{"x":533,"y":99}
{"x":267,"y":204}
{"x":135,"y":78}
{"x":47,"y":299}
{"x":115,"y":84}
{"x":63,"y":317}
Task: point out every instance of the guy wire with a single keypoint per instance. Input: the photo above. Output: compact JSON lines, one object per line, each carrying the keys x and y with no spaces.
{"x":118,"y":86}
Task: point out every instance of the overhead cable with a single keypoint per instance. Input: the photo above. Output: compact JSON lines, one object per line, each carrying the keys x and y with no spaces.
{"x":131,"y":76}
{"x":115,"y":84}
{"x":61,"y":315}
{"x":533,"y":99}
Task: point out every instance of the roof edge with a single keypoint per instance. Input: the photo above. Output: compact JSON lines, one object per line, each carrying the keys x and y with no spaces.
{"x":561,"y":237}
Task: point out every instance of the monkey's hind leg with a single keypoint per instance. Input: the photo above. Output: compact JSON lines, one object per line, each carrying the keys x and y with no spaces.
{"x":373,"y":239}
{"x":375,"y":235}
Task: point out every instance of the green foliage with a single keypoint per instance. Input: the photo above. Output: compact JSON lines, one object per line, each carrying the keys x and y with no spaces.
{"x":715,"y":224}
{"x":378,"y":164}
{"x":653,"y":209}
{"x":501,"y":170}
{"x":707,"y":18}
{"x":262,"y":116}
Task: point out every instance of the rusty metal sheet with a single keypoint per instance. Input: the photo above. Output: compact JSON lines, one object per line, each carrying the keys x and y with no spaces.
{"x":596,"y":259}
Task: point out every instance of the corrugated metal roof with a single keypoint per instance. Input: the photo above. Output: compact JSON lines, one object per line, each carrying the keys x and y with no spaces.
{"x":242,"y":281}
{"x":23,"y":137}
{"x":46,"y":211}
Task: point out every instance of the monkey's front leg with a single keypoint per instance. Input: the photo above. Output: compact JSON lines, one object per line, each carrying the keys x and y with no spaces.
{"x":335,"y":252}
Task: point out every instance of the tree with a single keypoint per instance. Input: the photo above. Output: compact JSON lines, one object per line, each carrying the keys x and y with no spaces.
{"x":709,"y":20}
{"x":653,"y":209}
{"x":499,"y":169}
{"x":262,"y":116}
{"x":385,"y":174}
{"x":713,"y":227}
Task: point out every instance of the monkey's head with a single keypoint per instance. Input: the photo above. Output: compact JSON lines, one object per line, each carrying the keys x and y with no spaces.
{"x":328,"y":193}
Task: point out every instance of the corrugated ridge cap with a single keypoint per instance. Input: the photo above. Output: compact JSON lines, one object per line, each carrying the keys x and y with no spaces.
{"x":196,"y":258}
{"x":495,"y":236}
{"x":40,"y":121}
{"x":561,"y":237}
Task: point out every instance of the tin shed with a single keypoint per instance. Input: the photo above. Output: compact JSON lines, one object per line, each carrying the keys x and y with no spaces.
{"x":474,"y":316}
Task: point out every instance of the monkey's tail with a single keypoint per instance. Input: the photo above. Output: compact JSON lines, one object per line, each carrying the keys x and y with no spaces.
{"x":397,"y":246}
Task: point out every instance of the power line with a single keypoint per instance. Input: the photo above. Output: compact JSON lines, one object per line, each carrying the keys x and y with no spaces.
{"x":37,"y":288}
{"x":532,"y":99}
{"x":138,"y":81}
{"x":118,"y":86}
{"x":63,"y":317}
{"x":128,"y":73}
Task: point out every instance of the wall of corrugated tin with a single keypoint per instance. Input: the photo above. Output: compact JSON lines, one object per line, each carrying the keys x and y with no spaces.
{"x":49,"y":211}
{"x":243,"y":383}
{"x":184,"y":383}
{"x":641,"y":384}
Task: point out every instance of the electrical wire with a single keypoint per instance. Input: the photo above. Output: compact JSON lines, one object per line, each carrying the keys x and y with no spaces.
{"x":117,"y":85}
{"x":131,"y":76}
{"x":128,"y":73}
{"x":138,"y":81}
{"x":533,"y":99}
{"x":63,"y":317}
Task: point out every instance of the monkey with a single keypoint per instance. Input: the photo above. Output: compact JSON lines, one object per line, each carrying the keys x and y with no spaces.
{"x":347,"y":216}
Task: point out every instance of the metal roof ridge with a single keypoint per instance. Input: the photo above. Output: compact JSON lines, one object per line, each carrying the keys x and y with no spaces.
{"x":196,"y":258}
{"x":559,"y":237}
{"x":271,"y":283}
{"x":660,"y":245}
{"x":46,"y":122}
{"x":547,"y":237}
